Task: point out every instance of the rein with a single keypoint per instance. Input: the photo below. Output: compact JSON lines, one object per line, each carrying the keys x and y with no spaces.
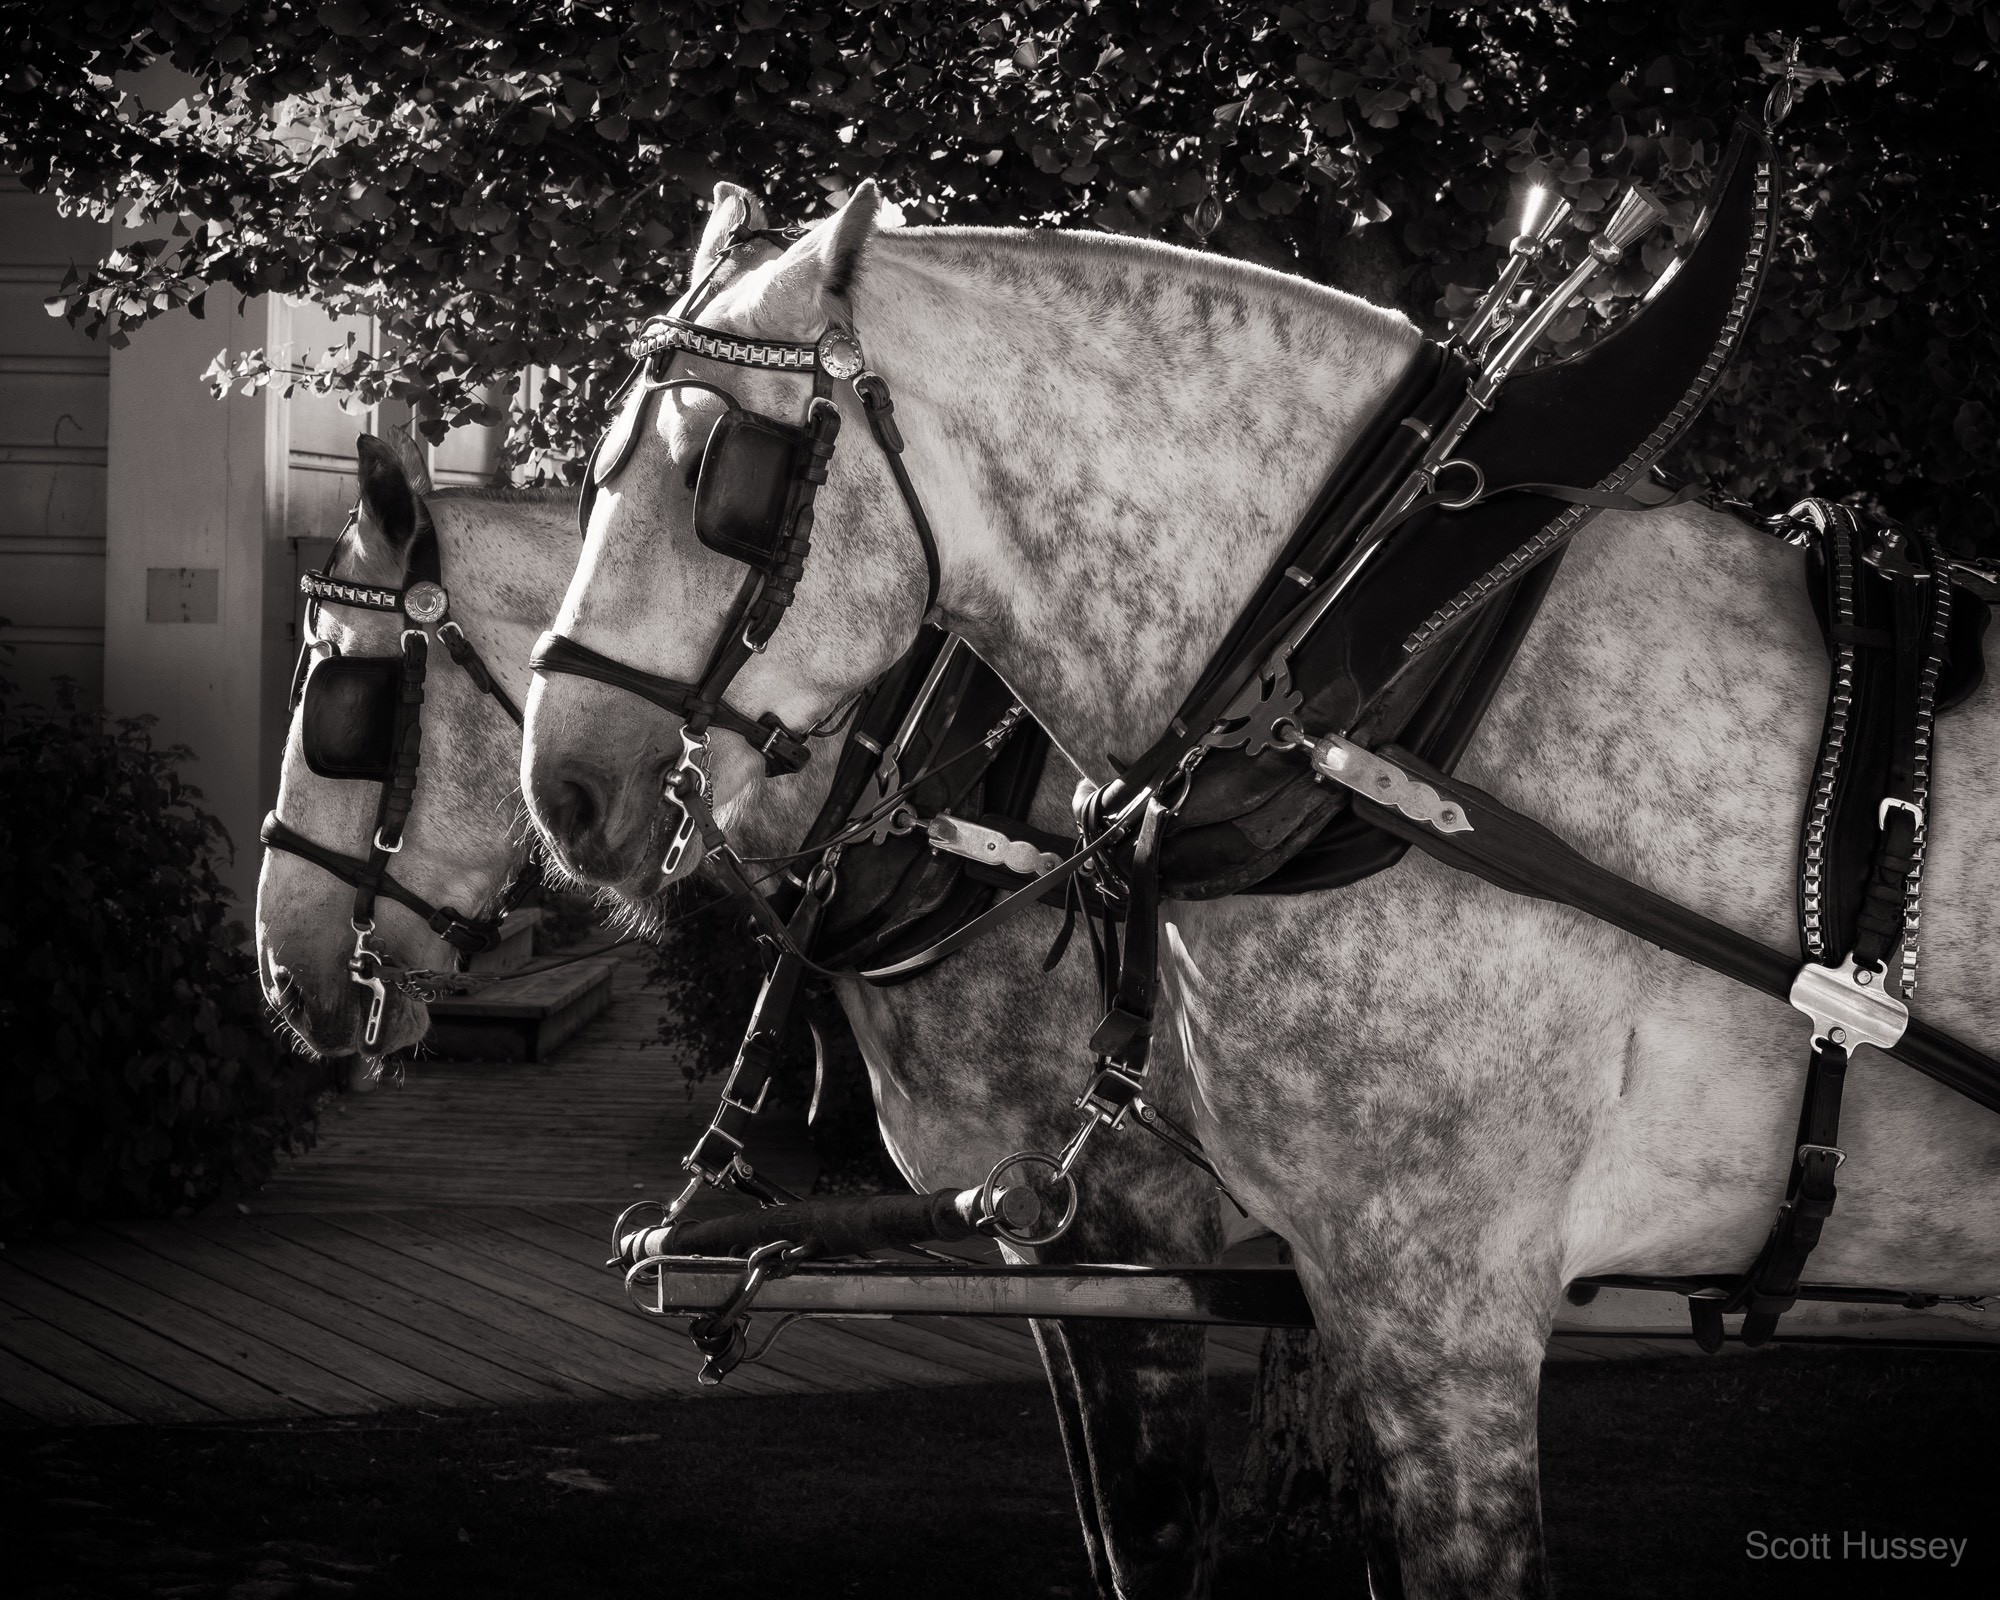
{"x":423,"y":602}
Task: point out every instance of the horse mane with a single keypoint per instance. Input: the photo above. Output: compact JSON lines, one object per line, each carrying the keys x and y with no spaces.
{"x":505,"y":494}
{"x":1093,"y":252}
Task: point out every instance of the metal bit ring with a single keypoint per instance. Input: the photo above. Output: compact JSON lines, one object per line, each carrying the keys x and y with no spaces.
{"x":990,"y":1189}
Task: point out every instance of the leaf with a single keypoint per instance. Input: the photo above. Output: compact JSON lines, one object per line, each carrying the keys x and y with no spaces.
{"x":344,"y":16}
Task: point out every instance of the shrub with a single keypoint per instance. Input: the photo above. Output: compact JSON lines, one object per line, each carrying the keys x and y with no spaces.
{"x":711,"y":967}
{"x":137,"y":1075}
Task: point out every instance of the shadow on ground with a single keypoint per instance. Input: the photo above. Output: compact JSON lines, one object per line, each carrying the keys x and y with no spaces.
{"x":1656,"y":1475}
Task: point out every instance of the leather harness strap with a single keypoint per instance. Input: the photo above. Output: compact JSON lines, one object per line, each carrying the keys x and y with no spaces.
{"x":1887,"y":613}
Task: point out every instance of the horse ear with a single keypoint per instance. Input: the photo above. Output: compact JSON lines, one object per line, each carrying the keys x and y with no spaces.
{"x":734,"y":208}
{"x":388,"y":502}
{"x":412,"y":455}
{"x":824,"y":264}
{"x":840,"y":242}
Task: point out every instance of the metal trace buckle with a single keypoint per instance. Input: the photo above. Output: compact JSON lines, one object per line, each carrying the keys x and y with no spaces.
{"x":1848,"y":1005}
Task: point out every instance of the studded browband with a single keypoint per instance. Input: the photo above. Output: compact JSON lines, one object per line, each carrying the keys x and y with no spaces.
{"x":423,"y":602}
{"x":836,"y":352}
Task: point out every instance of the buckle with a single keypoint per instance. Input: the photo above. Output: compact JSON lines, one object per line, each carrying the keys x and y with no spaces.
{"x":1891,"y":803}
{"x":1839,"y":1155}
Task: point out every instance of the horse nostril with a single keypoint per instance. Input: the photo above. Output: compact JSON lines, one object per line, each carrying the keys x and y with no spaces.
{"x":573,"y":808}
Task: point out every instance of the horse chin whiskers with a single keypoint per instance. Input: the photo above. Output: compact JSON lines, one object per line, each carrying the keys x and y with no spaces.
{"x":288,"y":1030}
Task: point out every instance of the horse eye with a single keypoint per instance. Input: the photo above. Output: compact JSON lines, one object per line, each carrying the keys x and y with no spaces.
{"x":694,"y":466}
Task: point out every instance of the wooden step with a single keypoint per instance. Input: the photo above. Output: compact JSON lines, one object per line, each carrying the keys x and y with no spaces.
{"x":521,"y":1019}
{"x":517,"y":942}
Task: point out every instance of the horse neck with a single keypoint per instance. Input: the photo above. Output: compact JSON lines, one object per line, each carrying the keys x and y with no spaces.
{"x":507,"y":556}
{"x":1114,"y":440}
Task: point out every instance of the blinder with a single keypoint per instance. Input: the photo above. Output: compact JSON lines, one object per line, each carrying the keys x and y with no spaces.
{"x":749,"y":477}
{"x":749,"y":483}
{"x":348,"y":726}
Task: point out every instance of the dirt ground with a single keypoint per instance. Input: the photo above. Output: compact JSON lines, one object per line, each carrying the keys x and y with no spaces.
{"x":1660,"y":1479}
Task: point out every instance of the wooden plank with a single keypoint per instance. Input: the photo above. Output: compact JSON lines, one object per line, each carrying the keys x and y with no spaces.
{"x":431,"y":1370}
{"x":440,"y":1338}
{"x":319,"y":1336}
{"x":876,"y":1347}
{"x":585,"y":1221}
{"x":514,"y":1312}
{"x":116,"y":1361}
{"x":12,"y":1417}
{"x":46,"y":1398}
{"x":566,"y":1288}
{"x":1002,"y":1339}
{"x":251,"y":1356}
{"x":1006,"y":1335}
{"x":940,"y":1360}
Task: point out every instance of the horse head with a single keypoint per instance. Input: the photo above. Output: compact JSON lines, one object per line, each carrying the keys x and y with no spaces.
{"x":498,"y":566}
{"x":702,"y":460}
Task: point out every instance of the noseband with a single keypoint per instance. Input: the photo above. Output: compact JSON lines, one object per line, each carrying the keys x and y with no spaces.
{"x":754,"y":494}
{"x":362,"y":722}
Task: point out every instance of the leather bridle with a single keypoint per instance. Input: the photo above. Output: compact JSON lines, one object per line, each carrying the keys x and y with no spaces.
{"x":773,"y":538}
{"x":424,"y":604}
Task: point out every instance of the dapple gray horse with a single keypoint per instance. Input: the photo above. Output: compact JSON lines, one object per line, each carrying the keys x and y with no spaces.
{"x":1451,"y":1101}
{"x":969,"y":1062}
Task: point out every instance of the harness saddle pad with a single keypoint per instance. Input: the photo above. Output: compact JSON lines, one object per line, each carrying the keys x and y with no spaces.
{"x":1369,"y":668}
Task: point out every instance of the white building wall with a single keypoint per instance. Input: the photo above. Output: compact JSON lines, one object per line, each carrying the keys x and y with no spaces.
{"x":54,"y":398}
{"x":195,"y":614}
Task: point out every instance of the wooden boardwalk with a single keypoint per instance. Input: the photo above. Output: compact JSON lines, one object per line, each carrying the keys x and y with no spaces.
{"x":442,"y":1247}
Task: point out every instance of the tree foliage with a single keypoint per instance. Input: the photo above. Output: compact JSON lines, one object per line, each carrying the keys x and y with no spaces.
{"x":512,"y":184}
{"x":137,"y":1074}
